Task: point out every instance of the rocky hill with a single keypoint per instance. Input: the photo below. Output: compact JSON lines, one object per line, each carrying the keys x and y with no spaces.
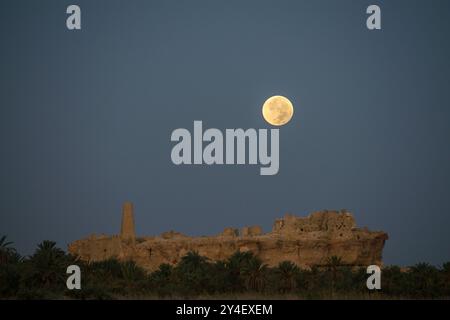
{"x":306,"y":241}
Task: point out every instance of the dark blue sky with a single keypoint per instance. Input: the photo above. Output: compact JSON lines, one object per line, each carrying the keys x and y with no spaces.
{"x":86,"y":117}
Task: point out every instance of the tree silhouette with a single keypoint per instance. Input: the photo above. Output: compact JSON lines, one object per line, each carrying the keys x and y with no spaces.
{"x":424,"y":280}
{"x":287,"y":273}
{"x":161,"y":281}
{"x":43,"y":275}
{"x":6,"y":251}
{"x":254,"y":273}
{"x":445,"y":282}
{"x":193,"y":274}
{"x":235,"y":265}
{"x":393,"y":280}
{"x":47,"y":266}
{"x":333,"y":263}
{"x":133,"y":276}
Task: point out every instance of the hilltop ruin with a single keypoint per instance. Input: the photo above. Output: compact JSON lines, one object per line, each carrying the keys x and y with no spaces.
{"x":306,"y":241}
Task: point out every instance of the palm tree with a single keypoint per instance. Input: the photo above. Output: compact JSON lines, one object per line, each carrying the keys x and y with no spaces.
{"x":6,"y":251}
{"x":446,"y":278}
{"x":164,"y":272}
{"x":3,"y":243}
{"x":234,"y":266}
{"x":131,"y":273}
{"x":193,"y":274}
{"x":424,"y":280}
{"x":161,"y":281}
{"x":255,"y":274}
{"x":46,"y":267}
{"x":192,"y":260}
{"x":333,"y":263}
{"x":48,"y":248}
{"x":106,"y":270}
{"x":393,"y":280}
{"x":287,"y":273}
{"x":220,"y":278}
{"x":446,"y":267}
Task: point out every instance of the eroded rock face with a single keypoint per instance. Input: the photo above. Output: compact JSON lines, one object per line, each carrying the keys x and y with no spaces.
{"x":306,"y":241}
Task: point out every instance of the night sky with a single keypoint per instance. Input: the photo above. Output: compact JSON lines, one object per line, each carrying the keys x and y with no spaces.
{"x":86,"y":117}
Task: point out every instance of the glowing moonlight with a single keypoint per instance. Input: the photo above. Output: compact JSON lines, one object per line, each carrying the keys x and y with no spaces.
{"x":277,"y":110}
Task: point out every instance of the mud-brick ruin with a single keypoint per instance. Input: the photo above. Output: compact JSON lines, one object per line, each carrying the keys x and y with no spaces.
{"x":306,"y":241}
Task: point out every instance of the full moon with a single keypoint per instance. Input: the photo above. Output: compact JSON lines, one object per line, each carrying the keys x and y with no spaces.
{"x":277,"y":110}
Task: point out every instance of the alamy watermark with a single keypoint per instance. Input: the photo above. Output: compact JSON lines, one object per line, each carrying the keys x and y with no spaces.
{"x":240,"y":147}
{"x":74,"y":280}
{"x":374,"y":280}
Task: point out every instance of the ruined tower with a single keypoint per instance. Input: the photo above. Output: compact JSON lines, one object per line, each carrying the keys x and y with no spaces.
{"x":306,"y":241}
{"x":127,"y":229}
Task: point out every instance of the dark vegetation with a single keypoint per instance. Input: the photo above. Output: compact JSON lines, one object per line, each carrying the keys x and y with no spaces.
{"x":43,"y":276}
